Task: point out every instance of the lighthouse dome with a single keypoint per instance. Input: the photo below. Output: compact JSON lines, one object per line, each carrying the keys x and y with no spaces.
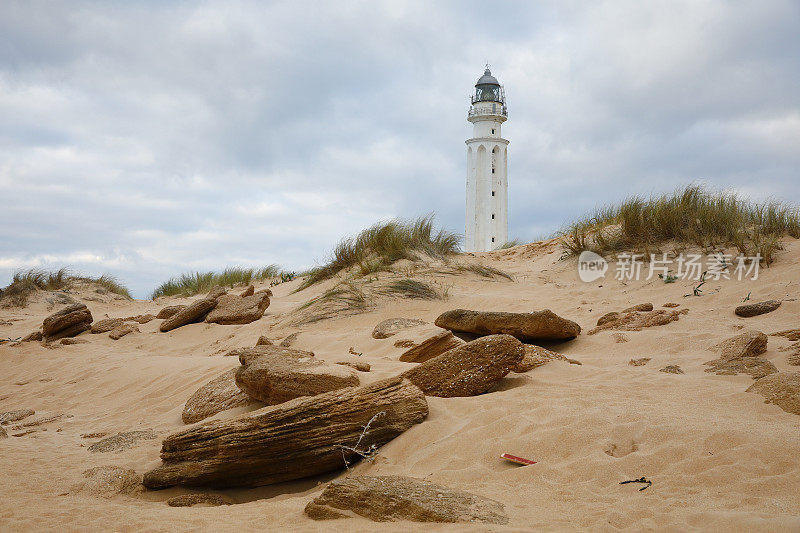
{"x":487,"y":79}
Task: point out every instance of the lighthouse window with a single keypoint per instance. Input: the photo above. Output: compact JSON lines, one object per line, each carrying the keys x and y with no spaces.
{"x":492,"y":216}
{"x":492,"y":132}
{"x":492,"y":171}
{"x":492,"y":239}
{"x":492,"y":193}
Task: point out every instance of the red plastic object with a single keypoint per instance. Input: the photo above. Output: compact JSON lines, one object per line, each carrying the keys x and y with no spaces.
{"x":518,"y":460}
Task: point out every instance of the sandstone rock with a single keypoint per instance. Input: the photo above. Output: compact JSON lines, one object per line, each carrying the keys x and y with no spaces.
{"x":636,"y":320}
{"x":106,"y":325}
{"x":358,"y":365}
{"x":434,"y":344}
{"x":109,"y":481}
{"x":122,"y":441}
{"x":32,"y":337}
{"x":781,"y":389}
{"x":392,"y":498}
{"x":141,"y":319}
{"x":3,"y":434}
{"x":289,"y":340}
{"x":467,"y":370}
{"x":194,"y":312}
{"x":273,"y":375}
{"x":249,"y":291}
{"x":672,"y":369}
{"x":188,"y":500}
{"x":671,"y":304}
{"x":217,"y":292}
{"x":536,"y":356}
{"x":14,"y":416}
{"x":540,"y":325}
{"x":232,"y":309}
{"x":264,"y":341}
{"x":756,"y":309}
{"x":619,"y":337}
{"x":794,"y":359}
{"x":169,"y":311}
{"x":791,"y":334}
{"x":739,"y":354}
{"x":297,"y":439}
{"x":72,"y":340}
{"x":639,"y":362}
{"x":390,"y":326}
{"x":67,"y":322}
{"x":639,"y":307}
{"x":219,"y":394}
{"x":39,"y":421}
{"x":119,"y":332}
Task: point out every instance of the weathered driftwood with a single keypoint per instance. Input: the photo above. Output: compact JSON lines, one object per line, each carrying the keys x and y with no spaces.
{"x":293,"y":440}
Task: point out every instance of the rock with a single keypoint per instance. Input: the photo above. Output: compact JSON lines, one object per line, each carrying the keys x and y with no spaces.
{"x":540,"y":325}
{"x":72,"y":340}
{"x":636,"y":320}
{"x":467,"y":370}
{"x":273,"y":375}
{"x":393,"y":498}
{"x":435,"y":343}
{"x":217,"y":292}
{"x":119,"y":332}
{"x":392,"y":326}
{"x":671,"y":304}
{"x":249,"y":291}
{"x":169,"y":311}
{"x":194,"y":312}
{"x":794,"y":359}
{"x":781,"y":389}
{"x":639,"y":362}
{"x":141,"y":319}
{"x":32,"y":337}
{"x":536,"y":356}
{"x":358,"y":365}
{"x":106,"y":325}
{"x":263,"y":341}
{"x":39,"y":421}
{"x":108,"y":481}
{"x":289,"y":340}
{"x":739,"y":354}
{"x":639,"y":307}
{"x":188,"y":500}
{"x":67,"y":322}
{"x":14,"y":416}
{"x":294,"y":440}
{"x":791,"y":334}
{"x":619,"y":337}
{"x":122,"y":441}
{"x":672,"y":369}
{"x":219,"y":394}
{"x":232,"y":309}
{"x":756,"y":309}
{"x":3,"y":433}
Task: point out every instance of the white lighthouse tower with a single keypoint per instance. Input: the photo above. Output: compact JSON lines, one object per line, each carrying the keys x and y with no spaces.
{"x":487,"y":179}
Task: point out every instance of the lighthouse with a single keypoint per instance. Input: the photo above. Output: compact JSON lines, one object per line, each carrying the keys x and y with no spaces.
{"x":487,"y":178}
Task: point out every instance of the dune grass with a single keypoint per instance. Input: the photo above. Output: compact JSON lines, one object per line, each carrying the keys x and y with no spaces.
{"x":411,"y":288}
{"x":26,"y":282}
{"x":484,"y":271}
{"x":199,"y":282}
{"x":509,"y":244}
{"x":379,"y":246}
{"x":692,"y":216}
{"x":344,"y":299}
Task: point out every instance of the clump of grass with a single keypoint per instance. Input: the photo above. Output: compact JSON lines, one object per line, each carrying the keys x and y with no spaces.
{"x":193,"y":283}
{"x":344,"y":299}
{"x":25,"y":283}
{"x":378,"y":247}
{"x":484,"y":271}
{"x":509,"y":244}
{"x":690,"y":216}
{"x":411,"y":288}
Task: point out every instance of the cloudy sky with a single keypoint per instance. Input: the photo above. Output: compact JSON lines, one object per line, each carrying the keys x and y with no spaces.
{"x":145,"y":139}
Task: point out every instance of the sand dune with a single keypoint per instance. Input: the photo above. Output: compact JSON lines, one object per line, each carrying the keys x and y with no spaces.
{"x":719,"y":458}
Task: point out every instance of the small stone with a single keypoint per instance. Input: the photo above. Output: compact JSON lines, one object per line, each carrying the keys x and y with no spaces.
{"x":169,"y":311}
{"x":672,"y":369}
{"x":263,"y":341}
{"x":119,"y":332}
{"x":391,"y":326}
{"x":16,"y":415}
{"x":122,"y":441}
{"x":188,"y":500}
{"x":639,"y":307}
{"x":756,"y":309}
{"x":106,"y":325}
{"x":358,"y":365}
{"x":639,"y":362}
{"x":289,"y":340}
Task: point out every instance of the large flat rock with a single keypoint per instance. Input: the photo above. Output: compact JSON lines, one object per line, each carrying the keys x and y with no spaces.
{"x":539,"y":325}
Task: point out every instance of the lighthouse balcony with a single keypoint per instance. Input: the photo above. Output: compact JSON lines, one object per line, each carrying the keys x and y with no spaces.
{"x":484,"y":111}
